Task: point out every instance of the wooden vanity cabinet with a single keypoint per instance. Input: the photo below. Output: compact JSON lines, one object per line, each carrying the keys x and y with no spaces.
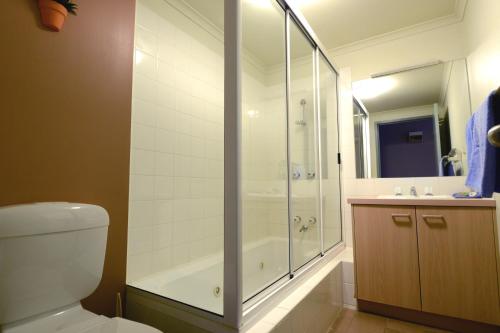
{"x":439,"y":260}
{"x":458,"y":264}
{"x":386,"y":255}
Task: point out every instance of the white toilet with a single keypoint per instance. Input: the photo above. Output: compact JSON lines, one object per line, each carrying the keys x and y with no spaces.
{"x":51,"y":257}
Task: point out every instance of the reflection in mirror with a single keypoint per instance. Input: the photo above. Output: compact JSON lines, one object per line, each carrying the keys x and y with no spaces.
{"x":411,"y":122}
{"x":360,"y":139}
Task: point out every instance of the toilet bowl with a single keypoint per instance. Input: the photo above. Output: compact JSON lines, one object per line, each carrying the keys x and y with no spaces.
{"x":52,"y":256}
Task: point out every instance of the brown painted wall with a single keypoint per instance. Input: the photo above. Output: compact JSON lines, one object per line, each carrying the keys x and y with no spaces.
{"x":65,"y":117}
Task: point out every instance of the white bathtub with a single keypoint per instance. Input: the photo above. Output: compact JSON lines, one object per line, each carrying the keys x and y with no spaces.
{"x":200,"y":283}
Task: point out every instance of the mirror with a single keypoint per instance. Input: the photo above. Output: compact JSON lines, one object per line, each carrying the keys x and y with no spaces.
{"x":412,"y":122}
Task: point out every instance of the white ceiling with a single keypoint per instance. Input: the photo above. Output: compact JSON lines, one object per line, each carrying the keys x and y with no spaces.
{"x":341,"y":22}
{"x":411,"y":88}
{"x":335,"y":22}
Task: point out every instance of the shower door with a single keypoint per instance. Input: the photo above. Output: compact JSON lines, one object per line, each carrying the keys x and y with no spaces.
{"x":263,"y":149}
{"x":331,"y":214}
{"x":303,"y":150}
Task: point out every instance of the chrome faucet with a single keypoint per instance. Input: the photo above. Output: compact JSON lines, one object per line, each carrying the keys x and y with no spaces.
{"x":303,"y":228}
{"x":413,"y":191}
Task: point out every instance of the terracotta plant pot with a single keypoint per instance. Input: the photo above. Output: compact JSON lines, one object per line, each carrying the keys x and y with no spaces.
{"x":53,"y":14}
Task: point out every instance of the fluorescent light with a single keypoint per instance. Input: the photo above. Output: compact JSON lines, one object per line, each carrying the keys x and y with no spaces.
{"x":406,"y":69}
{"x":371,"y":88}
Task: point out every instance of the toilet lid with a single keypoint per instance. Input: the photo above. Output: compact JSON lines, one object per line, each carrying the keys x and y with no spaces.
{"x":77,"y":320}
{"x":103,"y":324}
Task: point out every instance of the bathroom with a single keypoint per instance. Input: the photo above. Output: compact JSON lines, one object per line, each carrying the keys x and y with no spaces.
{"x":234,"y":151}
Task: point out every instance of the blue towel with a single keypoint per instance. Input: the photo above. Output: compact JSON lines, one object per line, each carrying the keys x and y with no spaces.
{"x":447,"y":167}
{"x":481,"y":157}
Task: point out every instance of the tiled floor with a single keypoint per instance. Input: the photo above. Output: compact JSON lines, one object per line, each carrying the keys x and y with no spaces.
{"x":351,"y":321}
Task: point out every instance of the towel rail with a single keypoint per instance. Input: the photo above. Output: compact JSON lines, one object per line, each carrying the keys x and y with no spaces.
{"x":494,"y":136}
{"x":494,"y":132}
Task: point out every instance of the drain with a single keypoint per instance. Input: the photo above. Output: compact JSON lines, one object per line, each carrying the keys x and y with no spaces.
{"x":217,"y":291}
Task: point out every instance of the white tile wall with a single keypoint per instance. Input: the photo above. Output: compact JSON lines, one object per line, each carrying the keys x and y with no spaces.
{"x":176,"y":160}
{"x":176,"y":184}
{"x":348,"y":284}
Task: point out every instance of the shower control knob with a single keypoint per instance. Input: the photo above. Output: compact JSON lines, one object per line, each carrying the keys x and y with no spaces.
{"x":297,"y":219}
{"x":312,"y":220}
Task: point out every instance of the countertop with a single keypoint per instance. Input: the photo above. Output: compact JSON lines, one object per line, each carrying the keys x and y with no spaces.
{"x":421,"y":201}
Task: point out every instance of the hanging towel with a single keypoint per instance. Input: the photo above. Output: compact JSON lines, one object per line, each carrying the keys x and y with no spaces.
{"x":457,"y":168}
{"x":446,"y":169}
{"x":450,"y":166}
{"x":483,"y":173}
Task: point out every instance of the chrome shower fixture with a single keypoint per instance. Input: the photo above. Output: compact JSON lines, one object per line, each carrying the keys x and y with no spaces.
{"x":302,"y":121}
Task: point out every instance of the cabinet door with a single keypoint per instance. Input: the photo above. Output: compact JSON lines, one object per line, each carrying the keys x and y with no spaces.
{"x":386,"y":259}
{"x":458,"y":269}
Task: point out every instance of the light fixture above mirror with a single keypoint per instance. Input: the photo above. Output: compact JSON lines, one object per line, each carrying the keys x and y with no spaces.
{"x":371,"y":88}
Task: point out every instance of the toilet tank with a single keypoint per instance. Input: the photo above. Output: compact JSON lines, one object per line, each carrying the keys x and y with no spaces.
{"x":51,"y":256}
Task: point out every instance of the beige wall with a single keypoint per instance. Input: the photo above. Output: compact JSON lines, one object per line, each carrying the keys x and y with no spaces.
{"x":65,"y":117}
{"x":482,"y":36}
{"x":482,"y":31}
{"x":457,"y":101}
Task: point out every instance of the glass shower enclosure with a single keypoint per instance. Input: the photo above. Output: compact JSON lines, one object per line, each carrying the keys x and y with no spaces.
{"x":235,"y":168}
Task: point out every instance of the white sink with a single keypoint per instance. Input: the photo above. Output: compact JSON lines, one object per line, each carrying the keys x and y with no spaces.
{"x":393,"y":196}
{"x":419,"y":197}
{"x":440,"y":196}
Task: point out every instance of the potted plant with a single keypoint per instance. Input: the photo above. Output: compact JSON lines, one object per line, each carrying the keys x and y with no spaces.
{"x":54,"y":12}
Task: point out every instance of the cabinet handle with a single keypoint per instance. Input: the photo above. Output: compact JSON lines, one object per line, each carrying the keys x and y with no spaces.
{"x":398,"y":217}
{"x":433,"y":219}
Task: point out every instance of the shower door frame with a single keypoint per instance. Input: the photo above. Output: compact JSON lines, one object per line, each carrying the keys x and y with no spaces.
{"x":320,"y":55}
{"x":233,"y":314}
{"x":233,"y":278}
{"x":292,"y":19}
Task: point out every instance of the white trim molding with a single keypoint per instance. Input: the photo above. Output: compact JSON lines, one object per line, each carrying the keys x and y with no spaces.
{"x":456,"y":17}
